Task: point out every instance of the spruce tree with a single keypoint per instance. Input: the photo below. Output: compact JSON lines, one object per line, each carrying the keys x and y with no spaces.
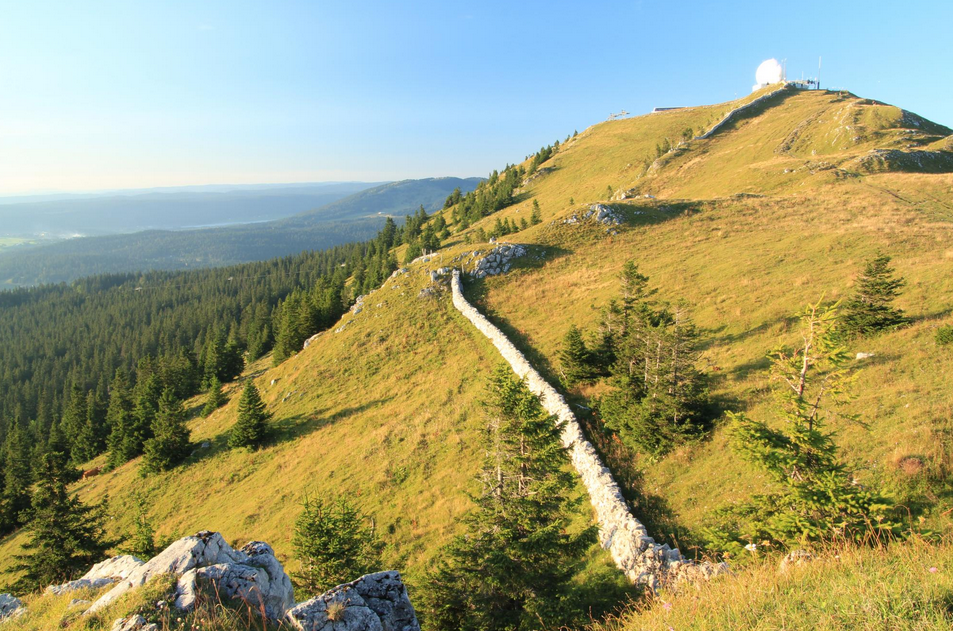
{"x":146,"y":396}
{"x":812,"y":497}
{"x":169,"y":444}
{"x":535,"y":217}
{"x":576,"y":361}
{"x":17,"y":478}
{"x":335,"y":543}
{"x":73,"y":421}
{"x":512,"y":569}
{"x":216,"y":398}
{"x":66,"y":535}
{"x":119,"y":419}
{"x":870,"y":309}
{"x":251,"y":429}
{"x":89,"y":441}
{"x":659,"y":399}
{"x":142,"y":542}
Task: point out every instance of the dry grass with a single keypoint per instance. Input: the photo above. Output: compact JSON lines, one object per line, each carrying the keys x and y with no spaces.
{"x":903,"y":586}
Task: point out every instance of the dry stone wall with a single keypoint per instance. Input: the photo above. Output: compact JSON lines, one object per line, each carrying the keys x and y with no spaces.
{"x":633,"y":550}
{"x":747,"y":106}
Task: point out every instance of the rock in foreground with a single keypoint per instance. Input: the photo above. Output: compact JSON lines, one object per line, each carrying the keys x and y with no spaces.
{"x":251,"y":574}
{"x":375,"y":602}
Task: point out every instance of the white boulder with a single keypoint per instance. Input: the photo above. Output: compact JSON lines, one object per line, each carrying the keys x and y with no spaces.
{"x":259,"y":581}
{"x":375,"y":602}
{"x":252,"y":573}
{"x":10,"y":606}
{"x":104,"y":573}
{"x":133,"y":623}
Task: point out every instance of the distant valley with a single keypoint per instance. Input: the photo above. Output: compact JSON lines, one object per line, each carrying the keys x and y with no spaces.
{"x":159,"y":231}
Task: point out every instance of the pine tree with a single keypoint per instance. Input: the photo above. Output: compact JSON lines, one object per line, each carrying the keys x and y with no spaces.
{"x":251,"y":429}
{"x":17,"y":478}
{"x":146,"y":395}
{"x":576,"y":361}
{"x":334,"y":543}
{"x":119,"y":419}
{"x":216,"y":398}
{"x":535,"y":217}
{"x":73,"y":421}
{"x":66,"y":535}
{"x":870,"y":310}
{"x":142,"y":542}
{"x":659,"y":400}
{"x":169,"y":444}
{"x":813,"y":498}
{"x":513,"y":568}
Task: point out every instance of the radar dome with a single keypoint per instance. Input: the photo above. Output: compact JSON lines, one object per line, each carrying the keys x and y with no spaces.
{"x":768,"y":72}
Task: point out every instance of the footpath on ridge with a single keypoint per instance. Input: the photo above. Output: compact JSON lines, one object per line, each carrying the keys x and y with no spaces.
{"x":640,"y":558}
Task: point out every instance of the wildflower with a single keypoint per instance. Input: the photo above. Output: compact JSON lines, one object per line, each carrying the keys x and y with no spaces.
{"x":932,"y":570}
{"x":751,"y":547}
{"x":667,"y":606}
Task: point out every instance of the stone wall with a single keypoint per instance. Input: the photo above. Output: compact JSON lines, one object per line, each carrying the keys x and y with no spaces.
{"x":747,"y":106}
{"x":633,"y":550}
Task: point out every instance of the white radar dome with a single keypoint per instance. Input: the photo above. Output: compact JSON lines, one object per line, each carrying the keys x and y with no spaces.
{"x":768,"y":72}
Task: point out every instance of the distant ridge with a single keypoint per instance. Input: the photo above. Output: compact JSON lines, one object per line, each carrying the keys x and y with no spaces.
{"x":343,"y":219}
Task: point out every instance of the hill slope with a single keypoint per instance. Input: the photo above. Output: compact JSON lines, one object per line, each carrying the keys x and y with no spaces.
{"x":384,"y":406}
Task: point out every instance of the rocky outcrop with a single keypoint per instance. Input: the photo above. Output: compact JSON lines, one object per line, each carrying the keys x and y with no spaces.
{"x":375,"y":602}
{"x":10,"y":607}
{"x":105,"y":573}
{"x":496,"y":261}
{"x":916,"y":161}
{"x":600,"y":213}
{"x":251,"y":574}
{"x":254,"y":576}
{"x":259,"y":581}
{"x":633,"y":550}
{"x":133,"y":623}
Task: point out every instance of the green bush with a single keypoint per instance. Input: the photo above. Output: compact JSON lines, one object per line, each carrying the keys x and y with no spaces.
{"x":944,"y":335}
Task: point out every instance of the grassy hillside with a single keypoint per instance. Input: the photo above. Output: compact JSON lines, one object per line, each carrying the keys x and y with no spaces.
{"x":899,"y":587}
{"x":387,"y":409}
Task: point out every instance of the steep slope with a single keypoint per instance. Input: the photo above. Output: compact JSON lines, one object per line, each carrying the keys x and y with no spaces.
{"x":384,"y":406}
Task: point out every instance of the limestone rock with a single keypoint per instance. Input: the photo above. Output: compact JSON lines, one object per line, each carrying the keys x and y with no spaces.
{"x":133,"y":623}
{"x":104,"y":573}
{"x":80,"y":583}
{"x":308,"y":342}
{"x":10,"y":606}
{"x":259,"y":580}
{"x":375,"y":602}
{"x":202,"y":549}
{"x":864,"y":356}
{"x":795,"y":558}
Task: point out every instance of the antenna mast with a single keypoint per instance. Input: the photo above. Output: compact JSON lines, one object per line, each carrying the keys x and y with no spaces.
{"x":818,"y":72}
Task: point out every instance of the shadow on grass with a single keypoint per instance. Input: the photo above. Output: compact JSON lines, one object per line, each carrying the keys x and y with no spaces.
{"x":284,"y":430}
{"x":294,"y":427}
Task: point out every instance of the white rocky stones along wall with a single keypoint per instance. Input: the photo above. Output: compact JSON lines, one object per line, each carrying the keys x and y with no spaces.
{"x":633,"y":550}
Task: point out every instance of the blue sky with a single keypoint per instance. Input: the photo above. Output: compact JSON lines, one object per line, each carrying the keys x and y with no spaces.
{"x":121,"y":94}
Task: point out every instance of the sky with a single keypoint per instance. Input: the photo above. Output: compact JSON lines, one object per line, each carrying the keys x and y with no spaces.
{"x":117,"y":94}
